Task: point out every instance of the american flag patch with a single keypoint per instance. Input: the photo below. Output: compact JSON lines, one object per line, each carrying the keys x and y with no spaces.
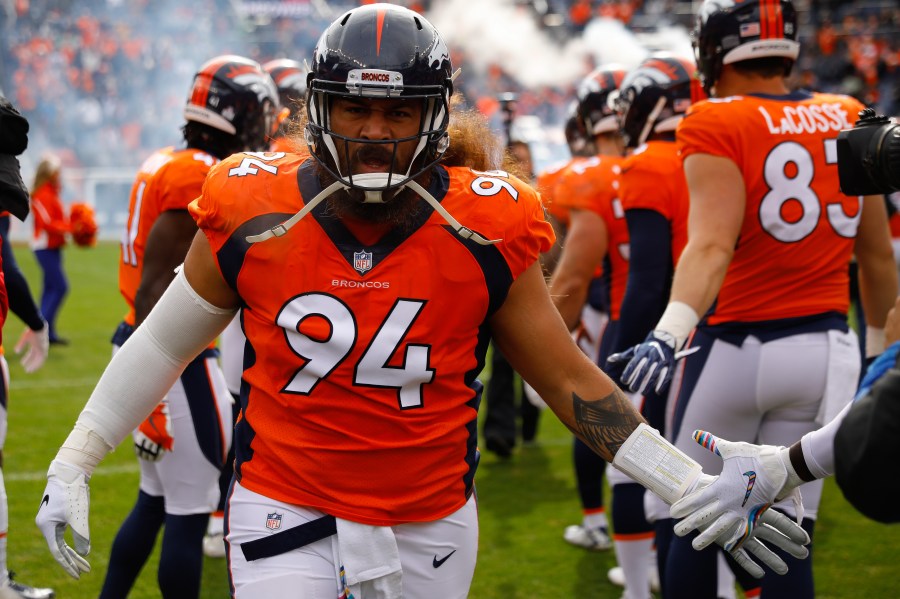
{"x":273,"y":521}
{"x":748,"y":29}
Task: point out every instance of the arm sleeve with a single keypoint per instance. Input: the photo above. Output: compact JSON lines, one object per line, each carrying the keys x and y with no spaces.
{"x":178,"y":328}
{"x":649,"y":275}
{"x":21,"y":302}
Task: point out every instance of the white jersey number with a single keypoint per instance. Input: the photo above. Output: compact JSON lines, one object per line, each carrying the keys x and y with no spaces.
{"x":786,"y":184}
{"x":322,"y":356}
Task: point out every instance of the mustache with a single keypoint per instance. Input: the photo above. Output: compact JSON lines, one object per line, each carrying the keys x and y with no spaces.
{"x":373,"y":153}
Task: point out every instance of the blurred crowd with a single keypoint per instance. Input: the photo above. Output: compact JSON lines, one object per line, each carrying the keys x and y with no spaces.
{"x":103,"y":81}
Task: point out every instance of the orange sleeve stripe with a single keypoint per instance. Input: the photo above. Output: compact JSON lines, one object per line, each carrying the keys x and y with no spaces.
{"x":635,"y":536}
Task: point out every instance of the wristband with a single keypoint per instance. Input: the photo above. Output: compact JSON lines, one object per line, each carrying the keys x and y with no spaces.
{"x":83,"y":449}
{"x":678,"y":320}
{"x":875,"y":341}
{"x":657,"y":464}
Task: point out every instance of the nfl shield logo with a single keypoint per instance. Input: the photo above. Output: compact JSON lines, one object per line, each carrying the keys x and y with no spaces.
{"x":362,"y":261}
{"x":273,"y":521}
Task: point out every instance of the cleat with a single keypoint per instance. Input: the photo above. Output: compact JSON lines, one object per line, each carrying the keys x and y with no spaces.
{"x":593,"y":539}
{"x":11,"y":589}
{"x":214,"y":545}
{"x":617,"y":576}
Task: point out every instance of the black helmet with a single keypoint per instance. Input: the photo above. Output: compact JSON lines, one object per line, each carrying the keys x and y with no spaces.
{"x":290,"y":79}
{"x":380,"y":51}
{"x":654,"y":97}
{"x":233,"y":94}
{"x":730,"y":31}
{"x":593,"y":95}
{"x":576,"y":136}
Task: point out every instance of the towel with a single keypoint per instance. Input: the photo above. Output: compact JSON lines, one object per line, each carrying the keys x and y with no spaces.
{"x":843,"y":374}
{"x":370,"y":558}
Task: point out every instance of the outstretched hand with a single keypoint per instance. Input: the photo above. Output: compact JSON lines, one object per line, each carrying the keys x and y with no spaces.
{"x":732,"y":510}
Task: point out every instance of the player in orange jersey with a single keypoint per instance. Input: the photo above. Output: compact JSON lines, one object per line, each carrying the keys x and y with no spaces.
{"x":766,"y":267}
{"x":290,"y":79}
{"x":589,"y":304}
{"x":231,"y":107}
{"x":650,"y":103}
{"x":370,"y":281}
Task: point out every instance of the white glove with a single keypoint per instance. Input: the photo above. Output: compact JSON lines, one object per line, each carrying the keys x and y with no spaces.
{"x":65,"y":504}
{"x":154,"y":436}
{"x":733,"y":509}
{"x":36,"y":345}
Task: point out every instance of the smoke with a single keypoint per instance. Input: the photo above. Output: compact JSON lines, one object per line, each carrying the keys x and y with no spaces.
{"x":504,"y":33}
{"x":499,"y":32}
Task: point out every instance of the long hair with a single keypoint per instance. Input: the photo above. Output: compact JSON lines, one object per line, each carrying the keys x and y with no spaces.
{"x":472,"y":142}
{"x":47,"y":169}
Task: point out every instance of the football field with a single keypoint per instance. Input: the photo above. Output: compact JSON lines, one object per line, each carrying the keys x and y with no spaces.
{"x":524,"y":503}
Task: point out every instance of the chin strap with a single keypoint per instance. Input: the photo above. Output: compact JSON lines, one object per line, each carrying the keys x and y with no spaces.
{"x":281,"y":229}
{"x":464,"y":232}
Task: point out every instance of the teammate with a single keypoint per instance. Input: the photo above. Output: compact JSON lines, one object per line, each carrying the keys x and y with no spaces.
{"x":231,"y":107}
{"x":290,"y":79}
{"x":595,"y":240}
{"x":367,"y":315}
{"x":769,"y":243}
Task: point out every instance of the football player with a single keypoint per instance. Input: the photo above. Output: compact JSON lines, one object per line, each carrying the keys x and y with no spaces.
{"x":371,"y":280}
{"x":232,"y":105}
{"x":760,"y":294}
{"x":589,"y":305}
{"x":290,"y":79}
{"x":650,"y":103}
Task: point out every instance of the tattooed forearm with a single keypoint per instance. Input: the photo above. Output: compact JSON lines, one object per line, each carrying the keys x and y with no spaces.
{"x":605,"y":423}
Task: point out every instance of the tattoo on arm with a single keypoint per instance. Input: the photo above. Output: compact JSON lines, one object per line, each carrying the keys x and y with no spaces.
{"x":604,"y":424}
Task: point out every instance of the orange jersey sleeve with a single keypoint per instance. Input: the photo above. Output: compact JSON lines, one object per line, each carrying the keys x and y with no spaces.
{"x":797,"y":235}
{"x":168,"y":180}
{"x":361,"y":396}
{"x":653,"y":179}
{"x":593,"y":184}
{"x":547,"y":184}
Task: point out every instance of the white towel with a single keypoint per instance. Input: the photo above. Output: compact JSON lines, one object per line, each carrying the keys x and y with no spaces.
{"x":843,"y":374}
{"x":370,"y":558}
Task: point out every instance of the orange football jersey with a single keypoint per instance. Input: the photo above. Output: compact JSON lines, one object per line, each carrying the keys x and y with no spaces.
{"x":653,"y":179}
{"x":547,"y":182}
{"x":797,"y":235}
{"x":169,"y":179}
{"x":361,"y":362}
{"x":593,"y":184}
{"x":289,"y":145}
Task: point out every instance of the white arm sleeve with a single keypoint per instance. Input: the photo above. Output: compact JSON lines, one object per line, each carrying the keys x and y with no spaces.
{"x":180,"y":326}
{"x":818,"y":446}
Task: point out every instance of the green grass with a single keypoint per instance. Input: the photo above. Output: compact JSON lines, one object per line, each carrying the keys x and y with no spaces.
{"x":524,"y":503}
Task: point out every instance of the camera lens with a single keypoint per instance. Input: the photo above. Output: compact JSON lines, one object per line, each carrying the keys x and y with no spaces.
{"x":887,"y":159}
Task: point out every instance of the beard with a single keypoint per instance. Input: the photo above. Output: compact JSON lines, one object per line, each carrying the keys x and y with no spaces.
{"x":400,"y":208}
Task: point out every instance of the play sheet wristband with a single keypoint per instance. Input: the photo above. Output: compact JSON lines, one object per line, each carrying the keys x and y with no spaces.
{"x":657,"y":464}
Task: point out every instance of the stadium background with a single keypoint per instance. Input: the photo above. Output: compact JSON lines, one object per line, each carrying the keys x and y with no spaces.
{"x":102,"y":82}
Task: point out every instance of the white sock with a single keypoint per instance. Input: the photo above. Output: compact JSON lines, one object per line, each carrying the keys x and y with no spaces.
{"x":595,"y":520}
{"x":636,"y":557}
{"x":4,"y":527}
{"x":725,"y":587}
{"x":216,"y":524}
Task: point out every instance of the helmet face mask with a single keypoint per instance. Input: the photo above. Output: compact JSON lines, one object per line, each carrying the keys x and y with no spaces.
{"x":729,"y":31}
{"x":654,"y":97}
{"x":374,"y":52}
{"x":234,"y":95}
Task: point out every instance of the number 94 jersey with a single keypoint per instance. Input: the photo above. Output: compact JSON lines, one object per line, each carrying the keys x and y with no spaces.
{"x":797,"y":235}
{"x":359,"y":393}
